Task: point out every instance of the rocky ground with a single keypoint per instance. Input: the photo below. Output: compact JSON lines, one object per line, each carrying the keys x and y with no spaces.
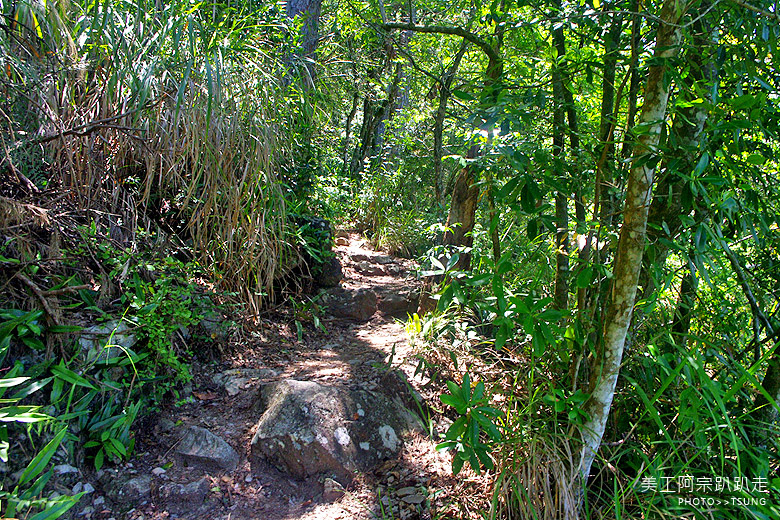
{"x":351,"y":437}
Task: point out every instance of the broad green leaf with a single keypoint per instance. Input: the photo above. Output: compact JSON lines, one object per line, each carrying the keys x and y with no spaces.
{"x":756,"y":159}
{"x":60,"y":508}
{"x":70,"y":376}
{"x":458,"y":404}
{"x":465,"y":96}
{"x":22,"y":414}
{"x":38,"y":464}
{"x":13,"y":381}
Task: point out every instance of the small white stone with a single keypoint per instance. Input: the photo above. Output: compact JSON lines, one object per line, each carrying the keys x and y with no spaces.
{"x":366,"y":446}
{"x":361,"y":412}
{"x":322,"y":439}
{"x":388,"y":436}
{"x":158,"y":471}
{"x":342,"y":436}
{"x":248,"y":478}
{"x":99,"y":501}
{"x":62,"y":469}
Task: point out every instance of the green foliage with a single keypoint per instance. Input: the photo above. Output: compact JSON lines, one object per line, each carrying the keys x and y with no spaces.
{"x":475,"y":416}
{"x":159,"y":300}
{"x":21,"y":326}
{"x":25,"y":494}
{"x":312,"y":237}
{"x":306,"y":311}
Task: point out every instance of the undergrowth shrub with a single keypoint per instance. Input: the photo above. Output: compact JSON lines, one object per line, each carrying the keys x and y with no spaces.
{"x":682,"y":440}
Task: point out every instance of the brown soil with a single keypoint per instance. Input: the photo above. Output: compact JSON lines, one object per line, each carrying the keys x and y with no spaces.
{"x":345,"y":353}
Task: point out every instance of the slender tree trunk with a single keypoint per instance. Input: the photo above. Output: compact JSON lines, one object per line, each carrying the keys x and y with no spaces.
{"x":607,"y":124}
{"x":561,"y":202}
{"x":561,"y":295}
{"x":686,"y":302}
{"x":463,"y":207}
{"x":686,"y":143}
{"x":606,"y":360}
{"x":441,"y":113}
{"x":309,"y":13}
{"x":765,"y":412}
{"x":560,"y":102}
{"x":348,"y":132}
{"x":633,"y":87}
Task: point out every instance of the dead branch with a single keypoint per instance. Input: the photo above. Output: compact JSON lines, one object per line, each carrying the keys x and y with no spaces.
{"x":40,"y":295}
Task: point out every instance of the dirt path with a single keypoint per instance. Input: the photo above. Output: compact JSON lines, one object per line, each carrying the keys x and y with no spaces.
{"x":417,"y":484}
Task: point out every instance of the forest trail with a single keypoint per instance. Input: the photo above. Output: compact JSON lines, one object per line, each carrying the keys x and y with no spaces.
{"x":415,"y":484}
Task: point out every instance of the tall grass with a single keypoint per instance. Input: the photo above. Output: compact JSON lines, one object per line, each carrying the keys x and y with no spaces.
{"x":143,"y":107}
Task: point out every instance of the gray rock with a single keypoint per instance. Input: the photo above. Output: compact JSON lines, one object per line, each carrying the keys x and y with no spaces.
{"x":200,"y":447}
{"x":370,"y":269}
{"x":106,"y":341}
{"x":158,"y":472}
{"x":214,"y":325}
{"x":166,"y":425}
{"x":357,"y":305}
{"x":64,"y":469}
{"x":181,"y":498}
{"x":309,"y":429}
{"x":332,"y":490}
{"x":82,"y":486}
{"x":238,"y":379}
{"x":330,"y":274}
{"x":397,"y":304}
{"x":134,"y":490}
{"x":414,"y":499}
{"x":406,"y":491}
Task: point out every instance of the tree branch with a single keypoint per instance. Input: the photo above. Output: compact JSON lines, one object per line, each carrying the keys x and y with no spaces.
{"x":442,"y":29}
{"x":762,"y":12}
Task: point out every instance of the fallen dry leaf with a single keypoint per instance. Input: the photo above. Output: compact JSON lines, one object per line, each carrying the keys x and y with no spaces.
{"x":205,"y":396}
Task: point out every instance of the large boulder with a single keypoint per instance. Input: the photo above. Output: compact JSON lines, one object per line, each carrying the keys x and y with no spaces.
{"x":357,"y":305}
{"x":309,"y":429}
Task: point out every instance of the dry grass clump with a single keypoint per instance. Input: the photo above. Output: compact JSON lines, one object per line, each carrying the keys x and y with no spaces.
{"x":177,"y":117}
{"x":539,"y":481}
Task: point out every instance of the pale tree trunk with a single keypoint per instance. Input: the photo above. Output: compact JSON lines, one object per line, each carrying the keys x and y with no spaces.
{"x":628,"y":260}
{"x":686,"y":140}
